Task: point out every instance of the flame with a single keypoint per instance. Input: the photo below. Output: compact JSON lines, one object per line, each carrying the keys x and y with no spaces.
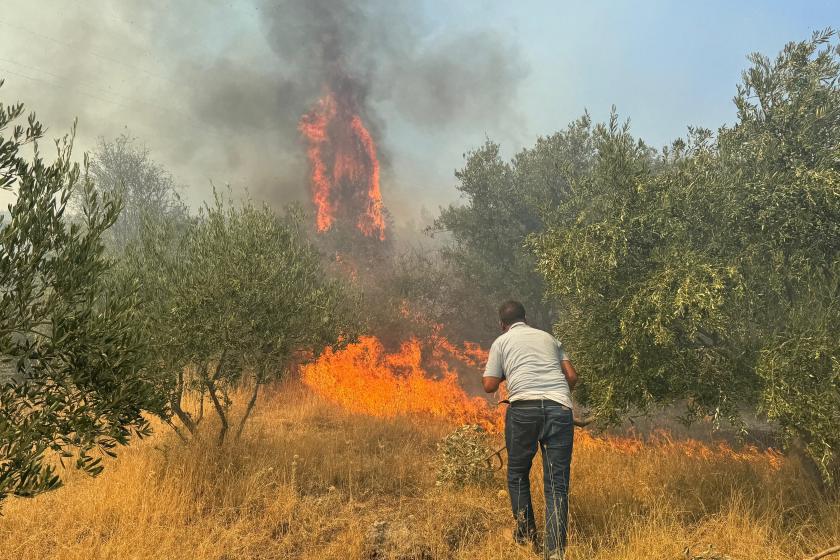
{"x":420,"y":379}
{"x":344,"y":166}
{"x":662,"y":443}
{"x":313,"y":125}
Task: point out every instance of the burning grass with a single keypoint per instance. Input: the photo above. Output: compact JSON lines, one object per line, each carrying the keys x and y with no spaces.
{"x":311,"y":480}
{"x":420,"y":378}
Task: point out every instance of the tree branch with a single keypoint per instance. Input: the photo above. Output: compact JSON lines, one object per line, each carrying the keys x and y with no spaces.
{"x":824,"y":553}
{"x":250,"y":407}
{"x":177,"y":431}
{"x":214,"y":397}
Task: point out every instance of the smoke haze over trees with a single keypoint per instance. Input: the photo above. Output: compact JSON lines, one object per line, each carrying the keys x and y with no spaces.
{"x":214,"y":90}
{"x":217,"y":90}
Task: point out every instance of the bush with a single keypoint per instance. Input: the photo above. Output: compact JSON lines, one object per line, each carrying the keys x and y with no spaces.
{"x":66,"y":327}
{"x":464,"y":457}
{"x":235,"y":299}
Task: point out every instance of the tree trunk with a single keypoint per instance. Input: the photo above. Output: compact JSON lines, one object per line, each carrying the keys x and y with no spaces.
{"x":200,"y":406}
{"x":250,"y":407}
{"x":210,"y":382}
{"x":798,"y":449}
{"x":177,"y":431}
{"x":182,"y":415}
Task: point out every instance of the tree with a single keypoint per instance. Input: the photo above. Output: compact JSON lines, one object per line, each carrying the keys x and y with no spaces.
{"x":504,"y":203}
{"x":240,"y":294}
{"x":79,"y":381}
{"x":785,"y":146}
{"x":121,"y":167}
{"x":711,"y":276}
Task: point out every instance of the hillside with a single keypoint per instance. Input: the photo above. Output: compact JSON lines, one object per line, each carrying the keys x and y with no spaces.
{"x":308,"y":480}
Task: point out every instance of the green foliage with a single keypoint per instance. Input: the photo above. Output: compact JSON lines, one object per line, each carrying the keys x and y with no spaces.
{"x":504,"y":203}
{"x":240,"y":291}
{"x":710,"y":275}
{"x":463,"y":457}
{"x":78,"y":383}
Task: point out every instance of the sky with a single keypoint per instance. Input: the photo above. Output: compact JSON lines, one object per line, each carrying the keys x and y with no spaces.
{"x":214,"y":89}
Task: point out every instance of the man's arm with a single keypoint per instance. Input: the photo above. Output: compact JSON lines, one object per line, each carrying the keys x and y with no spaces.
{"x":569,"y":372}
{"x":491,"y":384}
{"x":493,"y":373}
{"x":566,"y":365}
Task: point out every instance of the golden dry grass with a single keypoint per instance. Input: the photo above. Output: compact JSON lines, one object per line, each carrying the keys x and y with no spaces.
{"x":310,"y":481}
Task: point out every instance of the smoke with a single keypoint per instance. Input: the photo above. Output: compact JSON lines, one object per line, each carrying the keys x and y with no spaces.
{"x":216,"y":89}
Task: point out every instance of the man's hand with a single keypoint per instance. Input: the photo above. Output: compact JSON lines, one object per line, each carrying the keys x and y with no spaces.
{"x":491,"y":384}
{"x":569,"y":372}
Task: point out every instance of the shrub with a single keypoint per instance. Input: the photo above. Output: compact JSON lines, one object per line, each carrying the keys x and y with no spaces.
{"x":464,"y":457}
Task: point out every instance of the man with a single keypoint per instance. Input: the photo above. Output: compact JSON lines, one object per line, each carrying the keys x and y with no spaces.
{"x":539,"y":378}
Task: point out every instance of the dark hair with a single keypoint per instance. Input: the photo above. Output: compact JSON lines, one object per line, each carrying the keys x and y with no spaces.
{"x":511,"y":312}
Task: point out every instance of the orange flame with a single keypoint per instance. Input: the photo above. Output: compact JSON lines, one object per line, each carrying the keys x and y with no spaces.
{"x":662,"y":443}
{"x":364,"y":378}
{"x":344,"y":166}
{"x":422,"y":379}
{"x":313,"y":126}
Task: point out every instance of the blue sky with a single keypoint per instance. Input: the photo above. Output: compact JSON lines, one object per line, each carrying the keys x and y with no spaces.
{"x":664,"y":64}
{"x":121,"y":67}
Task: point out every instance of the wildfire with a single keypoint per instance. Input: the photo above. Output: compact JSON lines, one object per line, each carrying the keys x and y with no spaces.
{"x":344,"y":166}
{"x":422,"y":379}
{"x":661,"y":443}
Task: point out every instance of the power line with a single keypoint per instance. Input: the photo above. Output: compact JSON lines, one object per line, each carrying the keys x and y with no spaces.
{"x":111,"y":101}
{"x":77,"y":83}
{"x":19,"y":27}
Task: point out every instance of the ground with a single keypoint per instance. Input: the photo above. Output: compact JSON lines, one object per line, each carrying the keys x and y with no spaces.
{"x":310,"y":481}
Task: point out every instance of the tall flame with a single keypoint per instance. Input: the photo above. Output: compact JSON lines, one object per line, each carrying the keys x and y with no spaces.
{"x":344,"y":166}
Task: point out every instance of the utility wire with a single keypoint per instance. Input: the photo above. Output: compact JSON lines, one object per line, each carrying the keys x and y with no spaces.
{"x":65,"y":44}
{"x":120,"y":100}
{"x":77,"y":84}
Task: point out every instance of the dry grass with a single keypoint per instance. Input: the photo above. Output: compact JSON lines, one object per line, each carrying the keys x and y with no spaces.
{"x":310,"y":481}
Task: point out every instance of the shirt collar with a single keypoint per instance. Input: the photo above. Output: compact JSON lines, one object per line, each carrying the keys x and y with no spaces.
{"x":516,"y":324}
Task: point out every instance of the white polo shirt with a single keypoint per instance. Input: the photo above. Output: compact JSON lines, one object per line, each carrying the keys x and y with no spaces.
{"x":529,"y":359}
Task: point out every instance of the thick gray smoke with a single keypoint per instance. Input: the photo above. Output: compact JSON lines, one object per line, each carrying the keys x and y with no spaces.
{"x":216,"y":90}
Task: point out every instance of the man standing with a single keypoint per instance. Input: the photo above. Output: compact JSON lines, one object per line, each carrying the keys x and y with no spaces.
{"x":539,"y":378}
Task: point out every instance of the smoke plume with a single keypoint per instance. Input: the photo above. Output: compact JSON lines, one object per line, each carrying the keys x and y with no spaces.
{"x":216,"y":89}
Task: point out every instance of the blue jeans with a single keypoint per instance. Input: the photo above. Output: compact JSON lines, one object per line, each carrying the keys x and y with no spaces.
{"x":550,"y":424}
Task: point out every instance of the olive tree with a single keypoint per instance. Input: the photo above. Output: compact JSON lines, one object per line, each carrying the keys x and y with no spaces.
{"x":502,"y":203}
{"x":233,"y":301}
{"x":711,"y":276}
{"x":123,"y":167}
{"x":78,"y":382}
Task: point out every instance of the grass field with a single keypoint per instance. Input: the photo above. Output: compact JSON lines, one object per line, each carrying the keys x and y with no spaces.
{"x":308,"y":480}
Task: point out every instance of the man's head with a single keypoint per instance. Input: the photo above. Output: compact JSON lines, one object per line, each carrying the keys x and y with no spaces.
{"x":511,"y":312}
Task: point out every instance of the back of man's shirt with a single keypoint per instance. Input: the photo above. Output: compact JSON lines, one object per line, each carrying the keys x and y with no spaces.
{"x":529,"y":359}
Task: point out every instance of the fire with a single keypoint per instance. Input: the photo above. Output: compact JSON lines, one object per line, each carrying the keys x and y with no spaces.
{"x":344,"y":166}
{"x":662,"y":443}
{"x":420,"y":379}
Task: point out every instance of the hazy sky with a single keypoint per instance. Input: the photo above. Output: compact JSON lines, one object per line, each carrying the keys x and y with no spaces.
{"x":214,"y":89}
